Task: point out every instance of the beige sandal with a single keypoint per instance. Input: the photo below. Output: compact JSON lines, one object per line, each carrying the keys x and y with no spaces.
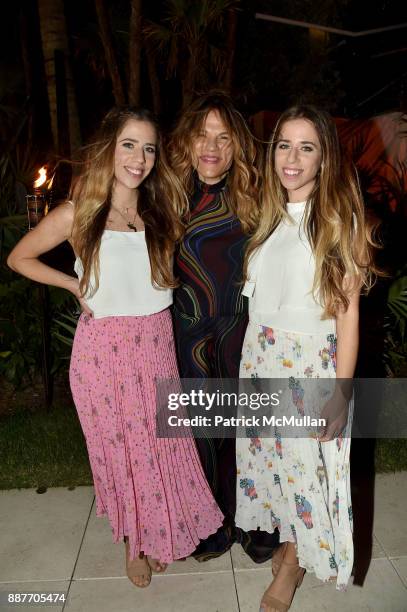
{"x":277,"y":604}
{"x":277,"y":558}
{"x":138,"y":570}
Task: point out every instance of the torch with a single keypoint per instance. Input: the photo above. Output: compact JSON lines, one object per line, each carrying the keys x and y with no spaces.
{"x":39,"y":201}
{"x":38,"y":204}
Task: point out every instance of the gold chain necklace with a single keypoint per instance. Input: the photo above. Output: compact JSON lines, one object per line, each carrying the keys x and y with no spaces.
{"x":130,"y":224}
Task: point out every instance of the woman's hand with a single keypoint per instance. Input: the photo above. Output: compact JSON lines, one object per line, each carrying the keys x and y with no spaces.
{"x":76,"y":292}
{"x":335,"y":413}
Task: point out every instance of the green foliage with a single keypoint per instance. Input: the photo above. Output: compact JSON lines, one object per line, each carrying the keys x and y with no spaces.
{"x":190,"y":38}
{"x":395,"y":345}
{"x":397,"y":303}
{"x":18,"y":160}
{"x":22,"y":304}
{"x":21,"y":329}
{"x":391,"y":455}
{"x":64,"y":328}
{"x":63,"y":305}
{"x":19,"y":340}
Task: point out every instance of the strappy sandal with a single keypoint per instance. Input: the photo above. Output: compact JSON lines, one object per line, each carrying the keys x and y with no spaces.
{"x":277,"y":604}
{"x":138,"y":569}
{"x":277,"y":558}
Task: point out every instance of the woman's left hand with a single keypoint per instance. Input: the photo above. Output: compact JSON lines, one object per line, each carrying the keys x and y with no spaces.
{"x":335,"y":413}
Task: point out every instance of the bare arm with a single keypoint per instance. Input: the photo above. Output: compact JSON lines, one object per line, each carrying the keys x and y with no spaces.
{"x":55,"y":228}
{"x":347,"y":332}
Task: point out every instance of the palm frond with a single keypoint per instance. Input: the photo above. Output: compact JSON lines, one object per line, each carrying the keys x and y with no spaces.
{"x":397,"y":302}
{"x":217,"y":60}
{"x":160,"y":35}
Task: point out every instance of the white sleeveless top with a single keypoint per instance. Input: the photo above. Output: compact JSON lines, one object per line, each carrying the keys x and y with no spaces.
{"x":125,"y":287}
{"x":280,"y":279}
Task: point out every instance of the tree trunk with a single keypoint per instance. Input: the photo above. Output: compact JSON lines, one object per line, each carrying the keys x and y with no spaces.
{"x":25,"y":53}
{"x":188,"y":83}
{"x":107,"y":41}
{"x":230,"y":49}
{"x":153,"y":77}
{"x":54,"y":38}
{"x":28,"y":80}
{"x":135,"y":52}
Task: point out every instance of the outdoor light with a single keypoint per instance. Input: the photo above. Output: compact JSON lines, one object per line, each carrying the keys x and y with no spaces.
{"x":39,"y":201}
{"x":38,"y":204}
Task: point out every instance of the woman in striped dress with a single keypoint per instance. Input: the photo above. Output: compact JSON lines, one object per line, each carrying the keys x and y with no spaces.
{"x":215,"y":156}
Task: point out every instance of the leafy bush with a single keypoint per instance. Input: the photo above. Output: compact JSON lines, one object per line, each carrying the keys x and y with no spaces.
{"x":395,"y":345}
{"x":21,"y":329}
{"x":23,"y":305}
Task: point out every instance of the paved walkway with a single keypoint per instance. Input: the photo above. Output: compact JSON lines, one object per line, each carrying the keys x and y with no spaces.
{"x":53,"y":542}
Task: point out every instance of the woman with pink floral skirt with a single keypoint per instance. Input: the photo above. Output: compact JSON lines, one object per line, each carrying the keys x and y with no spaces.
{"x":122,"y":222}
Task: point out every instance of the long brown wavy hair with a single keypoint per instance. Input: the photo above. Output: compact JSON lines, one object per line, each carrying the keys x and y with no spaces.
{"x":243,"y":177}
{"x":160,"y":203}
{"x":335,"y":224}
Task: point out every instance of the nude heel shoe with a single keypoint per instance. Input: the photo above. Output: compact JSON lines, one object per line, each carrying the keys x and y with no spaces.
{"x":278,"y":558}
{"x":282,"y":606}
{"x":138,"y":570}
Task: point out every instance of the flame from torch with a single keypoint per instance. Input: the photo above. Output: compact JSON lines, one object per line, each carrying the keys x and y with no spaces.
{"x":42,"y":177}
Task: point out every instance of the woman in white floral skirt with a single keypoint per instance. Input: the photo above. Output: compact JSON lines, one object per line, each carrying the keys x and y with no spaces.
{"x":305,"y":267}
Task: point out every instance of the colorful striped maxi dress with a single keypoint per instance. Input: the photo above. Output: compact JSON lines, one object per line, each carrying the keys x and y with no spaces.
{"x":210,"y":319}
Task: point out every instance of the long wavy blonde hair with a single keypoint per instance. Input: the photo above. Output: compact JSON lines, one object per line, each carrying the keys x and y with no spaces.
{"x":243,"y":180}
{"x":335,"y":224}
{"x":160,"y":203}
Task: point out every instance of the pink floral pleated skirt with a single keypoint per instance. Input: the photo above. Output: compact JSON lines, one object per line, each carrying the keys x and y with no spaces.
{"x":153,"y":490}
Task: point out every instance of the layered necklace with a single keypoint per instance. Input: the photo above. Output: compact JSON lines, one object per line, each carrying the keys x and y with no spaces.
{"x":130,"y":224}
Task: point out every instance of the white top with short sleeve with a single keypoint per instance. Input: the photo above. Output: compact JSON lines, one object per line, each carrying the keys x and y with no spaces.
{"x":280,"y":278}
{"x":125,"y":286}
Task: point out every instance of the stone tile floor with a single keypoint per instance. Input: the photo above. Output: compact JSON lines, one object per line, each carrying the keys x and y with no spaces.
{"x":54,"y":542}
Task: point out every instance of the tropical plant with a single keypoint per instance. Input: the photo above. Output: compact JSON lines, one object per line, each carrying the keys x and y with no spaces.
{"x":191,"y":38}
{"x":397,"y":302}
{"x":21,"y":315}
{"x":64,"y":328}
{"x":395,"y":344}
{"x":21,"y":301}
{"x":16,"y":161}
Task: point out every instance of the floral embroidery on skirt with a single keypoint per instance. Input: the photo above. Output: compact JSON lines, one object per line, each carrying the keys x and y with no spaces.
{"x":298,"y":485}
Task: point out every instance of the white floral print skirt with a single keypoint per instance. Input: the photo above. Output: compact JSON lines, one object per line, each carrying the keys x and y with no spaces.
{"x":297,"y":485}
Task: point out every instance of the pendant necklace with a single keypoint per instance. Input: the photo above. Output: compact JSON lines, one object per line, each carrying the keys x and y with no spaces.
{"x":130,"y":224}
